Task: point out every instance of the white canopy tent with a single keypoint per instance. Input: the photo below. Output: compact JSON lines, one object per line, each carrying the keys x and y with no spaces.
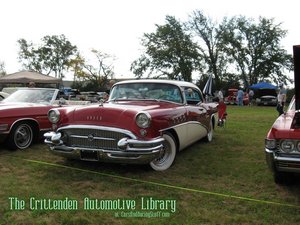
{"x":24,"y":77}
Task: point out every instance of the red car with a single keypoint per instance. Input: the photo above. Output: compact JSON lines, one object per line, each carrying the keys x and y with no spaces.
{"x":143,"y":122}
{"x":232,"y":99}
{"x":24,"y":116}
{"x":282,"y":144}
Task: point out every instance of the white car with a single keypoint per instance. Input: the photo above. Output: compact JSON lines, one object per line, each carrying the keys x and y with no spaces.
{"x":266,"y":97}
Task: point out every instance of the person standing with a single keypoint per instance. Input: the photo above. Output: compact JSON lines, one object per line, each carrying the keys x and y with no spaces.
{"x":281,"y":99}
{"x":240,"y":96}
{"x":221,"y":96}
{"x":250,"y":94}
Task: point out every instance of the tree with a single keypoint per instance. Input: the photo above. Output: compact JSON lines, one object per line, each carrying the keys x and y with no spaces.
{"x":53,"y":56}
{"x":169,"y":52}
{"x":95,"y":77}
{"x":210,"y":46}
{"x":76,"y":65}
{"x":255,"y":49}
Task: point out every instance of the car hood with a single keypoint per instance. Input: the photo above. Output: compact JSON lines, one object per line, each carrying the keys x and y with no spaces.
{"x":283,"y":127}
{"x":116,"y":114}
{"x":22,"y":109}
{"x":14,"y":105}
{"x":266,"y":92}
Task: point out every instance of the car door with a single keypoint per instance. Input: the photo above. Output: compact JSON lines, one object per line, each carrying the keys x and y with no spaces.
{"x":197,"y":115}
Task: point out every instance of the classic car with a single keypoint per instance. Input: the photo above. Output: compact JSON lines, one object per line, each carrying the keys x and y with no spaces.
{"x":231,"y":97}
{"x":266,"y":97}
{"x":23,"y":115}
{"x":143,"y":122}
{"x":282,"y":144}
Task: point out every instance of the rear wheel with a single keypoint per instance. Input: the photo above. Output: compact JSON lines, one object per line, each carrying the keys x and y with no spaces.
{"x":21,"y":136}
{"x":168,"y":155}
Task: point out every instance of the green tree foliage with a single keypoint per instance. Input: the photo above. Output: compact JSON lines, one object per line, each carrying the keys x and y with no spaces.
{"x":210,"y":46}
{"x":169,"y":52}
{"x":76,"y":65}
{"x":52,"y":56}
{"x":236,"y":51}
{"x":95,"y":77}
{"x":255,"y":49}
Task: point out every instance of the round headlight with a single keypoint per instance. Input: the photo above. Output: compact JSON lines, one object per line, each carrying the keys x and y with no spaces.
{"x":143,"y":120}
{"x":298,"y":146}
{"x":53,"y":115}
{"x":270,"y":143}
{"x":287,"y":146}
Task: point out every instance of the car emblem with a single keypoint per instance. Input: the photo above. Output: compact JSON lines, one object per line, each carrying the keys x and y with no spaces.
{"x":90,"y":137}
{"x":99,"y":118}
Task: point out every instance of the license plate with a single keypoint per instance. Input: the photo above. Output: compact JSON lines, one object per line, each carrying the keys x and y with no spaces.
{"x":89,"y":155}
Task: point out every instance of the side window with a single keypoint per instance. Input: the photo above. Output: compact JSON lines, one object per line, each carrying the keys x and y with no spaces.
{"x":192,"y":96}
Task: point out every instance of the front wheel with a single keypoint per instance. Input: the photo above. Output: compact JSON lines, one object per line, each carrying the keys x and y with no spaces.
{"x":21,"y":136}
{"x":168,"y":155}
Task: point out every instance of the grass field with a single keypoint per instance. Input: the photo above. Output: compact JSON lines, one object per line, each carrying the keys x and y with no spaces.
{"x":223,"y":182}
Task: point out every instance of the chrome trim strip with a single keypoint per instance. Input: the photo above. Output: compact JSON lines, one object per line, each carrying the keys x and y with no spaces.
{"x":22,"y":120}
{"x":286,"y":159}
{"x":183,"y":124}
{"x":95,"y":138}
{"x":113,"y":129}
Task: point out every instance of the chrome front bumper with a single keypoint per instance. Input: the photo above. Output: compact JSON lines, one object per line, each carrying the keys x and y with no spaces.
{"x":284,"y":164}
{"x":130,"y":150}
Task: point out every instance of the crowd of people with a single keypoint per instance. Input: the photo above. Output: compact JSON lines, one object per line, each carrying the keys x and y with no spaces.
{"x":240,"y":96}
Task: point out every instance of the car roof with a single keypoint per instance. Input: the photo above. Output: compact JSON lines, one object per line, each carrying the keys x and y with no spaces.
{"x":174,"y":82}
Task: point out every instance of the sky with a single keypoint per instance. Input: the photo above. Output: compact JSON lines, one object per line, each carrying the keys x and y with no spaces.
{"x":116,"y":27}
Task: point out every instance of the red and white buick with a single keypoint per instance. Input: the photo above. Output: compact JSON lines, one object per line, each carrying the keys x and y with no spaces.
{"x":143,"y":122}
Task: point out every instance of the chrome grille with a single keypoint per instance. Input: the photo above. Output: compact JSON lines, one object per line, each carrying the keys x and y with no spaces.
{"x":92,"y":138}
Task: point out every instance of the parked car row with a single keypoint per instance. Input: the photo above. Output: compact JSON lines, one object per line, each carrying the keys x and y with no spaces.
{"x":143,"y":122}
{"x":75,"y":94}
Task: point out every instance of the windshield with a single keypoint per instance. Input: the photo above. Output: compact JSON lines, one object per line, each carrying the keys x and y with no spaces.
{"x":144,"y":91}
{"x":45,"y":96}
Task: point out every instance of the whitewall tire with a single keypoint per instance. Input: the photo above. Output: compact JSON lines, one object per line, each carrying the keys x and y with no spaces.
{"x":168,"y":156}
